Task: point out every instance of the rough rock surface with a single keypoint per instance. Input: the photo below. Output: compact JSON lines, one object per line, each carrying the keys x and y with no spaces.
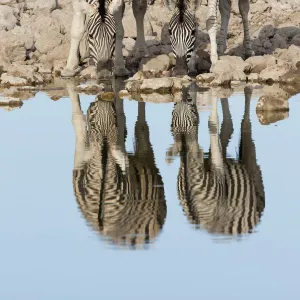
{"x":37,"y":32}
{"x":269,"y":103}
{"x":269,"y":117}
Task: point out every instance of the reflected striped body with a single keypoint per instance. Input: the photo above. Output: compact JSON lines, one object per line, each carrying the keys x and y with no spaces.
{"x":224,"y":196}
{"x":128,"y":208}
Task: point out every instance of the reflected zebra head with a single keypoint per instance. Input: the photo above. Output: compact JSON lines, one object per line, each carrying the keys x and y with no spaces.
{"x":127,"y":208}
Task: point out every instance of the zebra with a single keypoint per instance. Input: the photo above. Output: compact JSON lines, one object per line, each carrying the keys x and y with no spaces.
{"x":222,"y":195}
{"x":120,"y":195}
{"x":183,"y":29}
{"x":105,"y":35}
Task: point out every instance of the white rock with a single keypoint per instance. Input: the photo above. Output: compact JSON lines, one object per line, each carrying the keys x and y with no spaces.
{"x":11,"y":80}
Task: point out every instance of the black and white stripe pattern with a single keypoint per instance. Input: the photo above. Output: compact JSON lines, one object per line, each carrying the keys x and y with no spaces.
{"x":182,"y":29}
{"x":186,"y":34}
{"x":101,"y":28}
{"x":128,"y":208}
{"x":223,"y":196}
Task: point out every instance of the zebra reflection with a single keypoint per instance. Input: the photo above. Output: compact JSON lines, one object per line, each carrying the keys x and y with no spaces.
{"x":222,"y":195}
{"x":120,"y":195}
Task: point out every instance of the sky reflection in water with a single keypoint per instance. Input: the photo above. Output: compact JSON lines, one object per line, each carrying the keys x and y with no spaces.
{"x":49,"y":252}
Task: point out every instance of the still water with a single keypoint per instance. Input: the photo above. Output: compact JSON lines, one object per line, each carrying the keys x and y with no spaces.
{"x":188,"y":223}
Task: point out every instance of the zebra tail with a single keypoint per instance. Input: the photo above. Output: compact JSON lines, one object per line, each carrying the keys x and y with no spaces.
{"x":102,"y":9}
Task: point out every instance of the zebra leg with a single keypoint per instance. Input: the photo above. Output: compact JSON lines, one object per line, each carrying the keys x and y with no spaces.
{"x":79,"y":124}
{"x":244,"y":6}
{"x":119,"y":64}
{"x":224,"y":7}
{"x":211,"y":26}
{"x":143,"y":146}
{"x":215,"y":145}
{"x":227,"y":126}
{"x":77,"y":32}
{"x":118,"y":148}
{"x":139,"y":8}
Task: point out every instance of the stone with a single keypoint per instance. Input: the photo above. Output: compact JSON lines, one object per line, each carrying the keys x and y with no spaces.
{"x":10,"y":101}
{"x":133,"y":85}
{"x":7,"y":18}
{"x":160,"y":85}
{"x":90,"y":87}
{"x":206,"y":77}
{"x":28,"y":72}
{"x":138,"y":76}
{"x":45,"y":68}
{"x":296,"y":40}
{"x":155,"y":64}
{"x":13,"y":49}
{"x":228,"y":68}
{"x":157,"y":98}
{"x":270,"y":117}
{"x":36,"y":5}
{"x":46,"y":43}
{"x":256,"y":64}
{"x":128,"y":44}
{"x":225,"y":78}
{"x":291,"y":55}
{"x":123,"y":94}
{"x":166,"y":74}
{"x":61,"y":52}
{"x":253,"y":77}
{"x":273,"y":73}
{"x":229,"y":63}
{"x":178,"y":83}
{"x":269,"y":103}
{"x":12,"y":80}
{"x":88,"y":73}
{"x":291,"y":77}
{"x":186,"y":78}
{"x":58,"y":66}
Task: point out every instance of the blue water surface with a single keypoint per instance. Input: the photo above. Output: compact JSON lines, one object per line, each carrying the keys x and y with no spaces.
{"x":48,"y":251}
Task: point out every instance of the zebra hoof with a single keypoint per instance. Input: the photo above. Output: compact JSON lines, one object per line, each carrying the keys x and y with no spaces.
{"x":121,"y":72}
{"x":66,"y":72}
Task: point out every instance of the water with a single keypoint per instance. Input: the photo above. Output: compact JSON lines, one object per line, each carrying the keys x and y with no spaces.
{"x":49,"y":250}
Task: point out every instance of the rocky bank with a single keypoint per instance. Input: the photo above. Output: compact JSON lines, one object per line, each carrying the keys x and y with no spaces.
{"x":35,"y":41}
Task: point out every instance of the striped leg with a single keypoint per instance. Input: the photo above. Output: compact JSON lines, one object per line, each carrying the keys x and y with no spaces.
{"x":211,"y":26}
{"x":244,"y":11}
{"x":215,"y":145}
{"x":224,"y":7}
{"x":139,"y":8}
